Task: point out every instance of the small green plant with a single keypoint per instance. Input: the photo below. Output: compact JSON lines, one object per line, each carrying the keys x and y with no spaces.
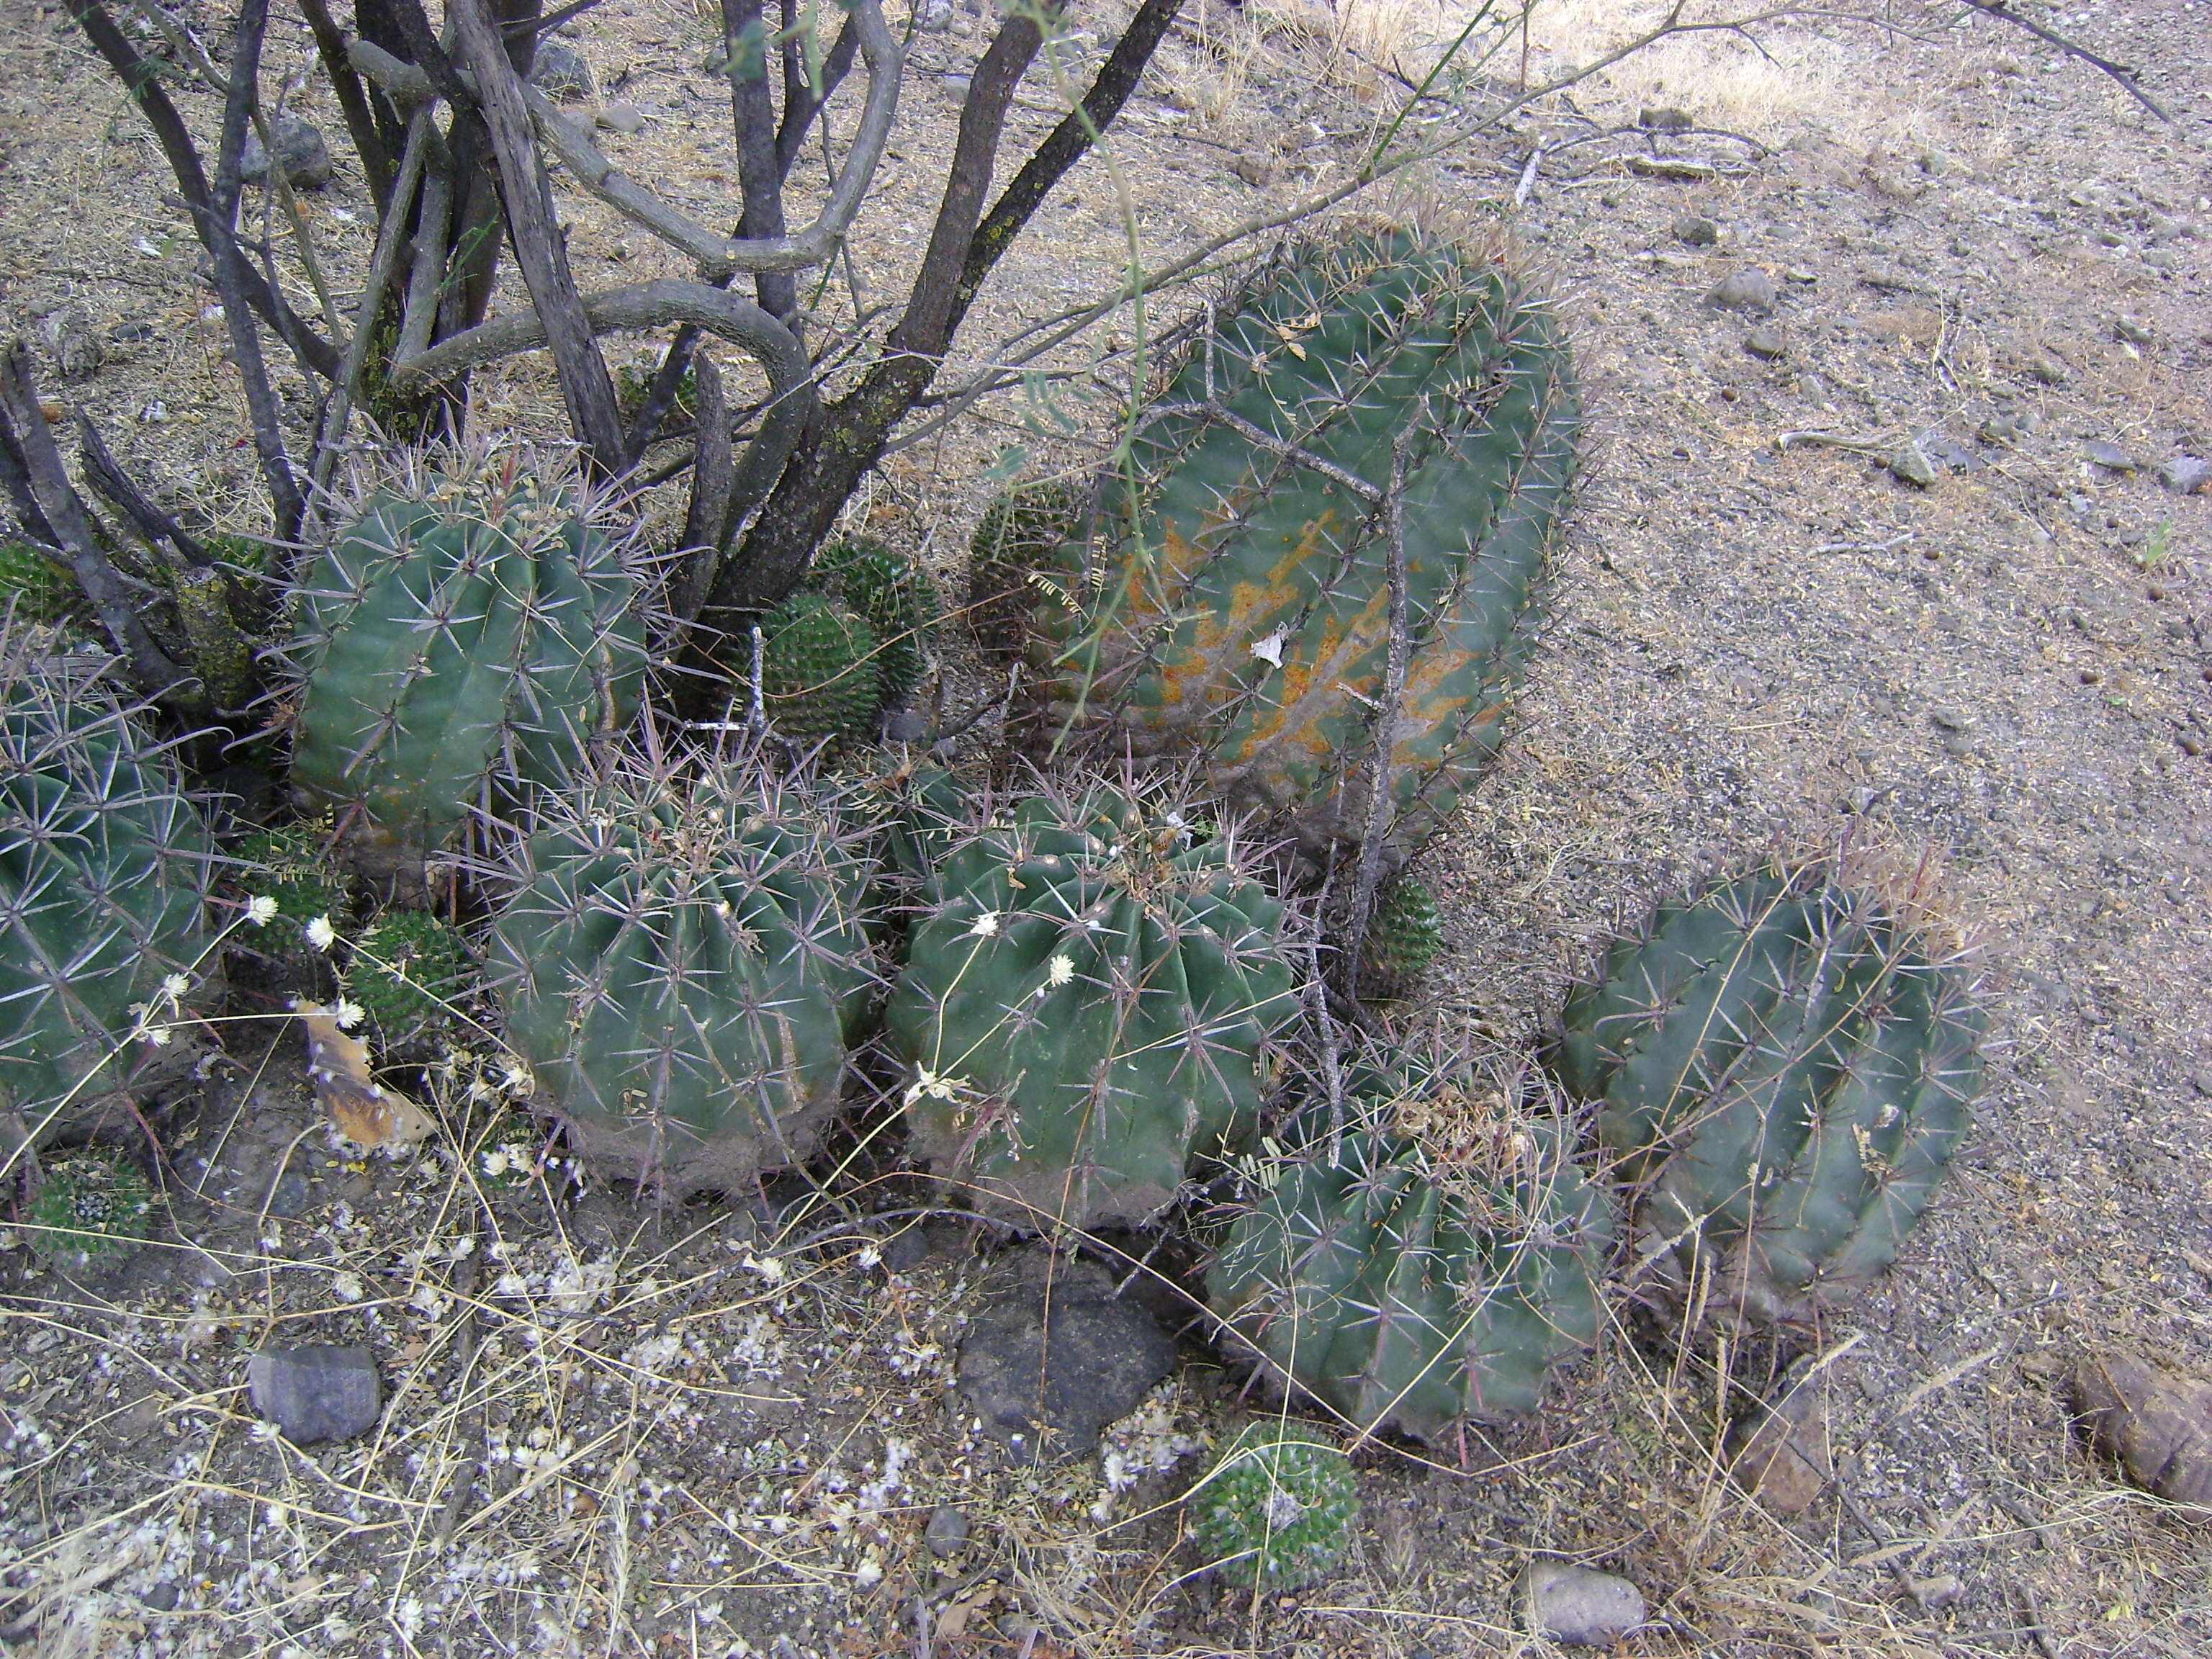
{"x":40,"y":589}
{"x":406,"y":970}
{"x":512,"y":1154}
{"x":1276,"y":1512}
{"x":290,"y":865}
{"x":1404,"y":933}
{"x":91,"y":1207}
{"x":821,"y":678}
{"x":2157,"y":541}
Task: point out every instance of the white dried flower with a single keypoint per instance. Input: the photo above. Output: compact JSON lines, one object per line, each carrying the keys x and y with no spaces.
{"x":349,"y":1013}
{"x":1059,"y":970}
{"x":261,"y":909}
{"x":321,"y":935}
{"x":984,"y":926}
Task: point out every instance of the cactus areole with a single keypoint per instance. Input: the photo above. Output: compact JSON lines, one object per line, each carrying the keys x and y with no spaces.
{"x":1788,"y":1069}
{"x":1232,"y":598}
{"x":1089,"y":998}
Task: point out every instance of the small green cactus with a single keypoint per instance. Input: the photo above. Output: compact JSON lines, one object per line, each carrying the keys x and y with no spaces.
{"x":1405,"y":931}
{"x":41,"y":589}
{"x":820,"y":677}
{"x":1013,"y":546}
{"x":91,"y":1207}
{"x":1276,"y":1512}
{"x":289,"y":865}
{"x":407,"y":968}
{"x":894,"y":596}
{"x":1787,"y":1066}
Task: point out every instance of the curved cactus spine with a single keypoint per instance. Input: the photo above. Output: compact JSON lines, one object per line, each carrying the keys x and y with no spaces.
{"x":104,"y":872}
{"x":682,"y":962}
{"x":1088,"y":1000}
{"x":1233,"y":599}
{"x":1409,"y":1289}
{"x":1789,"y":1070}
{"x":471,"y":624}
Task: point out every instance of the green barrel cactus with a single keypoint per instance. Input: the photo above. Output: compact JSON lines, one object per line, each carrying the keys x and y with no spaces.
{"x":1089,"y":999}
{"x":1015,"y":544}
{"x":1411,"y":1291}
{"x":104,"y":875}
{"x":1276,"y":1511}
{"x":91,"y":1207}
{"x":471,"y":626}
{"x":1405,"y":931}
{"x":894,"y":596}
{"x":1233,"y":598}
{"x":821,"y":678}
{"x":1789,"y":1069}
{"x":407,"y":969}
{"x":682,"y":962}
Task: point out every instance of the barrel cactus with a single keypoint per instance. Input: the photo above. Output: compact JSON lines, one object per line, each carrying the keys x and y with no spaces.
{"x":682,"y":962}
{"x":473,"y":624}
{"x":1405,"y":931}
{"x":894,"y":596}
{"x":1088,"y":998}
{"x":1233,"y":596}
{"x":1277,"y":1510}
{"x":1014,"y":544}
{"x":1412,"y":1287}
{"x":91,"y":1206}
{"x":408,"y":970}
{"x":820,"y":677}
{"x":104,"y":873}
{"x":1788,"y":1068}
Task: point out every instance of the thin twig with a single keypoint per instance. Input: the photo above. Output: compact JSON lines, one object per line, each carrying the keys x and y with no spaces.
{"x":2120,"y":72}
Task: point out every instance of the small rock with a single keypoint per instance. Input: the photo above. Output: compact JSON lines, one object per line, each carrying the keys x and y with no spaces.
{"x":2201,"y":1080}
{"x":1799,"y":275}
{"x":905,"y":726}
{"x":2185,"y":475}
{"x":1665,"y":117}
{"x":1912,"y":465}
{"x":1811,"y":386}
{"x":2110,"y":456}
{"x":2009,"y":429}
{"x":946,"y":1534}
{"x":2128,"y":329}
{"x":301,"y":152}
{"x":1766,"y":343}
{"x":937,"y":16}
{"x":1693,"y":230}
{"x":1748,"y":290}
{"x":161,"y":1598}
{"x":559,"y":71}
{"x":1578,"y":1607}
{"x":1939,"y":1592}
{"x":133,"y":333}
{"x":1935,"y":163}
{"x":323,"y":1391}
{"x":618,"y":116}
{"x":955,"y":87}
{"x":1253,"y":170}
{"x":1058,"y":1358}
{"x":1781,"y":1452}
{"x":2046,"y":371}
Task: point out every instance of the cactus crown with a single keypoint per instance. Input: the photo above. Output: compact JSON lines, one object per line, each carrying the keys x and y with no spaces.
{"x":1276,"y":1511}
{"x":1784,"y":1063}
{"x":92,"y":1205}
{"x":1091,"y":989}
{"x":475,"y":623}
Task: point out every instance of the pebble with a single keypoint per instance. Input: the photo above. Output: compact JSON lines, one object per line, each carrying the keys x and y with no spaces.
{"x":322,"y":1391}
{"x":2185,"y":475}
{"x":1578,"y":1607}
{"x":1748,"y":290}
{"x":2009,"y":429}
{"x":937,"y":16}
{"x":1047,"y":1385}
{"x":955,"y":87}
{"x":161,"y":1598}
{"x":1811,"y":386}
{"x":1912,"y":465}
{"x":1765,"y":343}
{"x":947,"y":1535}
{"x":1695,"y":231}
{"x":2109,"y":455}
{"x":559,"y":71}
{"x":1783,"y":1461}
{"x":625,"y":118}
{"x":2201,"y":1080}
{"x":300,"y":148}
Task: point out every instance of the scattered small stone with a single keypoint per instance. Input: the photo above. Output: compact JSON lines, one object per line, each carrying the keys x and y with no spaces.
{"x":2009,"y":429}
{"x":1578,"y":1607}
{"x":1665,"y":117}
{"x":1058,"y":1358}
{"x":131,"y":333}
{"x":2185,"y":475}
{"x":1811,"y":386}
{"x":947,"y":1535}
{"x":2109,"y":455}
{"x":1941,"y":447}
{"x":2128,"y":329}
{"x":1748,"y":290}
{"x":301,"y":152}
{"x":559,"y":71}
{"x":1694,"y":230}
{"x":1911,"y":464}
{"x":618,"y":116}
{"x":1766,"y":343}
{"x":1935,"y":163}
{"x":323,"y":1391}
{"x":161,"y":1598}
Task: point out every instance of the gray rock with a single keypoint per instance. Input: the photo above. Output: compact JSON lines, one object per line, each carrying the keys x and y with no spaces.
{"x":161,"y":1598}
{"x":1766,"y":343}
{"x":1578,"y":1607}
{"x":1748,"y":290}
{"x":955,"y":87}
{"x":322,"y":1391}
{"x":1811,"y":386}
{"x":947,"y":1535}
{"x":69,"y":336}
{"x":937,"y":16}
{"x":1693,"y":230}
{"x":2009,"y":429}
{"x":2185,"y":475}
{"x":618,"y":116}
{"x":2201,"y":1080}
{"x":301,"y":152}
{"x":1057,"y":1358}
{"x":2108,"y":455}
{"x":905,"y":726}
{"x":1912,"y":464}
{"x":559,"y":71}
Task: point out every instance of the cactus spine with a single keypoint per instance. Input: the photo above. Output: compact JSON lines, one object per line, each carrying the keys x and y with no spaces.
{"x":1233,"y":599}
{"x":1783,"y":1063}
{"x":1088,"y":1000}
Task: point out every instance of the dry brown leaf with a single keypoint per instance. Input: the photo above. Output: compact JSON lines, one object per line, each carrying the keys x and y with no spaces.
{"x":362,"y":1109}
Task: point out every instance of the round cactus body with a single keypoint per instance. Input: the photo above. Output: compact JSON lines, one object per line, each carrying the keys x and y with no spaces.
{"x":682,"y":962}
{"x":1784,"y":1064}
{"x":91,"y":1207}
{"x":1233,"y":598}
{"x":1405,"y":931}
{"x":894,"y":596}
{"x":1015,"y":544}
{"x":408,"y":967}
{"x":1089,"y":999}
{"x":820,"y":676}
{"x":104,"y":872}
{"x":472,"y":626}
{"x":1408,"y":1291}
{"x":1276,"y":1512}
